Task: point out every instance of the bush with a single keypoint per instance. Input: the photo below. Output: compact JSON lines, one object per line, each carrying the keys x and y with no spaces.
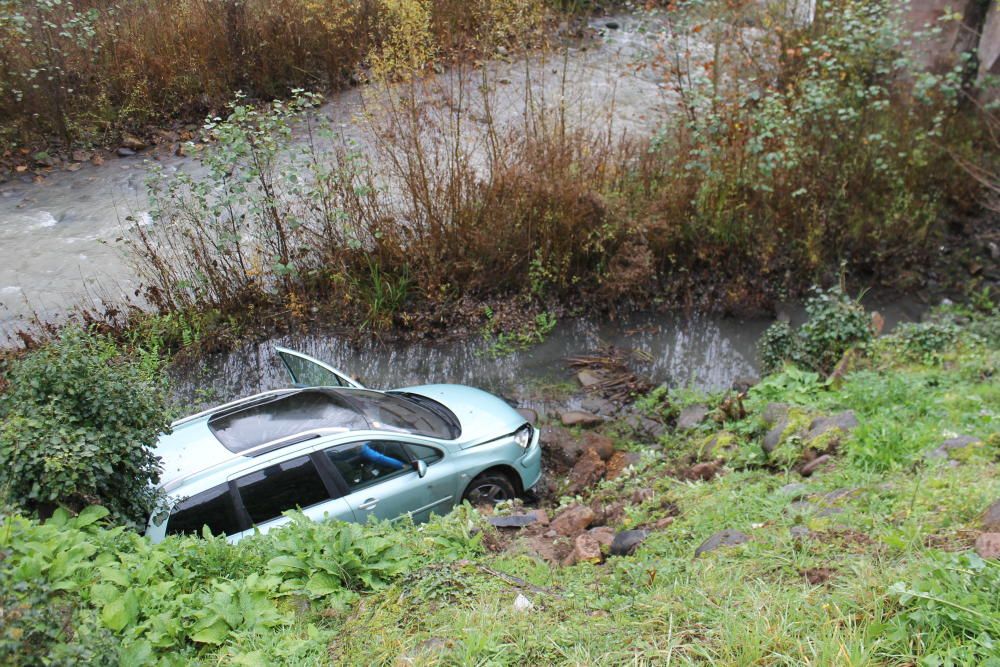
{"x":836,"y":323}
{"x":79,"y":421}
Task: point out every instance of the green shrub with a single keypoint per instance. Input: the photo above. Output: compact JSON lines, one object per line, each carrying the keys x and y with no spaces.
{"x":79,"y":420}
{"x":836,"y":323}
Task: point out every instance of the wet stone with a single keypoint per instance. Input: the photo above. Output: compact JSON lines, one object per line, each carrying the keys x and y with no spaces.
{"x":691,"y":416}
{"x":580,"y":418}
{"x":946,"y":448}
{"x":626,"y":542}
{"x":723,"y":538}
{"x":586,"y":472}
{"x":605,"y":535}
{"x":586,"y":549}
{"x":844,"y":421}
{"x":529,"y":415}
{"x":588,"y":378}
{"x":991,"y":518}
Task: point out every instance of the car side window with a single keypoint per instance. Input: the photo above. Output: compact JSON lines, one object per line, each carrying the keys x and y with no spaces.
{"x":284,"y":486}
{"x":423,"y":453}
{"x":213,"y":508}
{"x":365,"y":463}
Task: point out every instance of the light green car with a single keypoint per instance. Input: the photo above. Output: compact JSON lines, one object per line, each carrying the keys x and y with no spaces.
{"x":336,"y":450}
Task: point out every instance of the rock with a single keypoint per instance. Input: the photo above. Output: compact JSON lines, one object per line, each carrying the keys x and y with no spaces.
{"x":567,"y":448}
{"x":794,"y":490}
{"x":953,"y":448}
{"x":97,"y":160}
{"x":586,"y":549}
{"x":73,"y":166}
{"x":775,"y":413}
{"x":132,"y":142}
{"x":79,"y":156}
{"x":664,"y":522}
{"x":586,"y":472}
{"x":588,"y":378}
{"x":716,"y":445}
{"x":691,"y":416}
{"x":776,"y":418}
{"x":573,"y":520}
{"x":541,"y":517}
{"x":604,"y":535}
{"x":988,"y":545}
{"x":598,"y":406}
{"x":743,"y":383}
{"x":702,"y":471}
{"x":513,"y":520}
{"x":521,"y":603}
{"x":991,"y":518}
{"x":529,"y":415}
{"x":723,"y":538}
{"x":124,"y":152}
{"x":799,"y":532}
{"x":618,"y":462}
{"x":627,"y":541}
{"x":422,"y":651}
{"x":845,"y":421}
{"x":612,"y":25}
{"x":644,"y":426}
{"x":814,"y":465}
{"x":580,"y":418}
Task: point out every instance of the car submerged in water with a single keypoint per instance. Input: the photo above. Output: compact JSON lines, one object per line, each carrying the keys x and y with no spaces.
{"x":336,"y":450}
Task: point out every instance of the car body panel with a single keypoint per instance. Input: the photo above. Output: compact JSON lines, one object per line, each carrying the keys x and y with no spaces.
{"x":194,"y":461}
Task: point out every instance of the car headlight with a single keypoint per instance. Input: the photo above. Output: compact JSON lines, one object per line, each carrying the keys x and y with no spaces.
{"x":522,"y":436}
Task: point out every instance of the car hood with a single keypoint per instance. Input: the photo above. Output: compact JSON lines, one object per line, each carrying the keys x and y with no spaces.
{"x":482,"y":415}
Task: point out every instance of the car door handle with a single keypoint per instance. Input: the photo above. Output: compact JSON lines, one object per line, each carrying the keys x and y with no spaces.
{"x":368,"y":504}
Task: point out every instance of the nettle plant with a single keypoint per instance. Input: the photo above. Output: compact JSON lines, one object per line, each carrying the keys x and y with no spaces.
{"x":78,"y":424}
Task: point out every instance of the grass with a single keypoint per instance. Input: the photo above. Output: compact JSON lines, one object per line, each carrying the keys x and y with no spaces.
{"x":886,"y":575}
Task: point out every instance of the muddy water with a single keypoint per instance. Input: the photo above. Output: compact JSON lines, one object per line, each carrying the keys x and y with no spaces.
{"x":699,"y":351}
{"x":58,"y":236}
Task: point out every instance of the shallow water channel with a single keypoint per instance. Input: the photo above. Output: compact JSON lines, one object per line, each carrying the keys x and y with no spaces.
{"x":700,"y":351}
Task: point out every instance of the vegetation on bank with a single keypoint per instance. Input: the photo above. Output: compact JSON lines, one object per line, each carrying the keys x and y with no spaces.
{"x":795,"y":151}
{"x":865,"y":561}
{"x":87,"y":72}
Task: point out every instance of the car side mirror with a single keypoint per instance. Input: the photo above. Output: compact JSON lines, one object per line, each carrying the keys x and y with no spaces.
{"x":420,"y":467}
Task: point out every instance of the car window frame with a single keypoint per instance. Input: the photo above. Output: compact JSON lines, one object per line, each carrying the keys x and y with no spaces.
{"x":408,"y":467}
{"x":334,"y":491}
{"x":414,"y":458}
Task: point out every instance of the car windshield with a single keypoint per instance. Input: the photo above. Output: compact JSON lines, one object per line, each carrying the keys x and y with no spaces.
{"x":398,"y":412}
{"x":246,"y":427}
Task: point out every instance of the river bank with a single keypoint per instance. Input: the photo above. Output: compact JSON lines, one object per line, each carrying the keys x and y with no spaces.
{"x":802,"y":520}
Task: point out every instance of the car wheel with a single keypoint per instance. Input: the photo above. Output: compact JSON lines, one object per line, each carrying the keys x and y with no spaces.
{"x":489,"y":489}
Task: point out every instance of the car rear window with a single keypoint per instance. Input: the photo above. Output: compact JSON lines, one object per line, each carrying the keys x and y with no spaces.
{"x":245,"y":427}
{"x":213,"y":508}
{"x":284,"y":486}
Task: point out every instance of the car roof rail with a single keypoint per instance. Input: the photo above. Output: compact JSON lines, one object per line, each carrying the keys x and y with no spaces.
{"x":253,"y":452}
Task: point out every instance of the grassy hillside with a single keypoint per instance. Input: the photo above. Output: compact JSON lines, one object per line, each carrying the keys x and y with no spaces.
{"x":869,"y":559}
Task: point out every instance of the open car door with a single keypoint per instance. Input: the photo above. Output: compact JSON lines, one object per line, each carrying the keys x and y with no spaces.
{"x":306,"y":371}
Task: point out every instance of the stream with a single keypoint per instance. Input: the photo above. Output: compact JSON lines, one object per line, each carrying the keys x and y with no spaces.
{"x":60,"y":234}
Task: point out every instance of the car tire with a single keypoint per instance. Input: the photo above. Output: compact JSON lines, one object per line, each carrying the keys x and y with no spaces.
{"x":489,"y":489}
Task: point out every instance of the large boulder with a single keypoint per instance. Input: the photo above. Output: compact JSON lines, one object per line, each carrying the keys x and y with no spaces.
{"x":565,"y":448}
{"x":580,"y":418}
{"x":956,"y":449}
{"x":586,"y":549}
